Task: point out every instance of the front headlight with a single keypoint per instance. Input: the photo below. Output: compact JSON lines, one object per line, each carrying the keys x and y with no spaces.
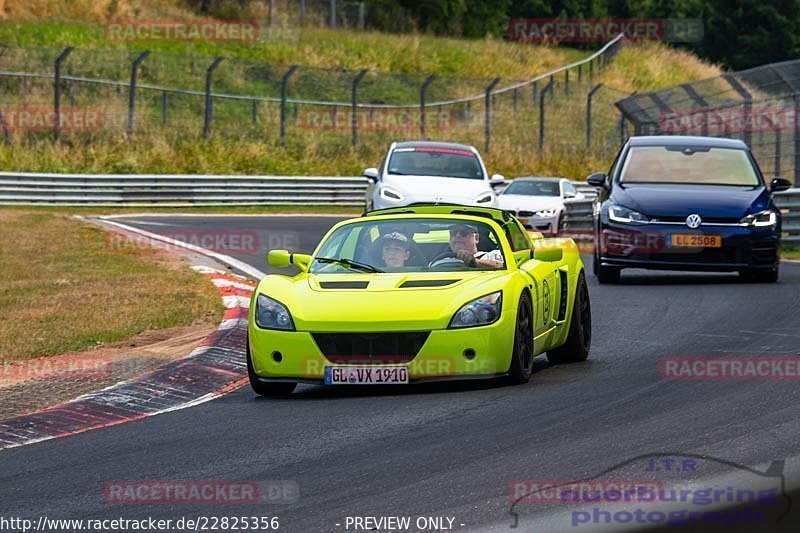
{"x":761,"y":220}
{"x":390,"y":194}
{"x":271,"y":314}
{"x":484,"y":197}
{"x":546,"y":213}
{"x":480,"y":312}
{"x":623,"y":215}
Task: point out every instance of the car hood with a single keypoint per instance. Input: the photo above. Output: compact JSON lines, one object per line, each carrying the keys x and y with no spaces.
{"x":386,"y":303}
{"x":433,"y":189}
{"x":712,"y":201}
{"x":522,"y":202}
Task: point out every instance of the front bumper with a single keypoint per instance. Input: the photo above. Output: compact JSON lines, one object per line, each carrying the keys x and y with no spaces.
{"x":650,"y":246}
{"x":544,"y":225}
{"x":444,"y":354}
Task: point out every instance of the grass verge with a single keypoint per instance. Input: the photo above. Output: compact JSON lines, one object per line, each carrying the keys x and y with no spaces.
{"x":790,"y":253}
{"x":62,"y":288}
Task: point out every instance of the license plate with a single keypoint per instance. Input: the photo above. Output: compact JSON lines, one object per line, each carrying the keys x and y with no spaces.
{"x":366,"y":375}
{"x":682,"y":240}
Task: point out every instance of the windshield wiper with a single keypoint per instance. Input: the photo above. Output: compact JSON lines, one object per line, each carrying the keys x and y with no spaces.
{"x":355,"y":265}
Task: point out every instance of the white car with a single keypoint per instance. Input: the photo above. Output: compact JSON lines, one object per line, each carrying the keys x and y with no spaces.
{"x":430,"y":172}
{"x":538,"y":201}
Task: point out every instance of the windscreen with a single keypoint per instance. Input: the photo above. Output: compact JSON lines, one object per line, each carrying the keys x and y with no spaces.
{"x":440,"y":162}
{"x":409,"y":245}
{"x":690,"y":165}
{"x":533,"y":188}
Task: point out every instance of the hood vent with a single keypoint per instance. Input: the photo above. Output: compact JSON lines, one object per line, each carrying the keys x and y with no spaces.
{"x":416,"y":283}
{"x":343,"y":284}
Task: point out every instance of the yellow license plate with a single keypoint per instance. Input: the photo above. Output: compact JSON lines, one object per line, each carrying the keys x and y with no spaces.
{"x":683,"y":240}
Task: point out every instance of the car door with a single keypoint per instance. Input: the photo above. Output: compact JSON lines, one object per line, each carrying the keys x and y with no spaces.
{"x":543,"y":282}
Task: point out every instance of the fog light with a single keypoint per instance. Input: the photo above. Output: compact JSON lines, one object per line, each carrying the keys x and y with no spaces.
{"x":277,"y":357}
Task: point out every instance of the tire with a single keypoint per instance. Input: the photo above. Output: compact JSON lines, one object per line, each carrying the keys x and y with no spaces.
{"x":579,"y":338}
{"x":521,"y":366}
{"x":606,"y":275}
{"x":760,"y":276}
{"x":266,"y":389}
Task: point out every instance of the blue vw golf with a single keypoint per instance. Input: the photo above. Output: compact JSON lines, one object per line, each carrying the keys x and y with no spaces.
{"x":686,"y":203}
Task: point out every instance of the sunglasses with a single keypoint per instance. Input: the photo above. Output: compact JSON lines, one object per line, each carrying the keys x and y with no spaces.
{"x":461,"y":232}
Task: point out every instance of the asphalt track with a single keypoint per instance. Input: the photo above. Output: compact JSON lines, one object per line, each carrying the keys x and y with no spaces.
{"x":452,"y":450}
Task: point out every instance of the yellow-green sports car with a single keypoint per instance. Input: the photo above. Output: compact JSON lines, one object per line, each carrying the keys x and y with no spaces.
{"x":418,"y":293}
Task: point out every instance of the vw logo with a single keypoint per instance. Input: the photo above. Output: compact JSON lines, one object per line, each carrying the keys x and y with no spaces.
{"x":694,"y":221}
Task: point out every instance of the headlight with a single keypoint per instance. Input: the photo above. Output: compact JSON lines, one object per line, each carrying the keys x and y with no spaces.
{"x":761,"y":220}
{"x":271,"y":314}
{"x":480,"y":312}
{"x":484,"y":197}
{"x":623,"y":215}
{"x":546,"y":213}
{"x":390,"y":194}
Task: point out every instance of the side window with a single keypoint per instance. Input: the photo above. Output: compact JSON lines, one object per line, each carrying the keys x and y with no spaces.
{"x":517,"y":237}
{"x":614,"y":164}
{"x":569,"y":189}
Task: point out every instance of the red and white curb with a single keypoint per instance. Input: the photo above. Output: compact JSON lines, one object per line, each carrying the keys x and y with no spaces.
{"x":213,"y":369}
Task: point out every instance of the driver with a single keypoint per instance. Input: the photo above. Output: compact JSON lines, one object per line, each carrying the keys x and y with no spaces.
{"x":464,"y":240}
{"x":395,"y":249}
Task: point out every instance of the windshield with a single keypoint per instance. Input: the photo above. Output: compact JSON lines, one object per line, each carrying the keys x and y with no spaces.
{"x":442,"y":162}
{"x":533,"y":188}
{"x":690,"y":165}
{"x":409,"y":245}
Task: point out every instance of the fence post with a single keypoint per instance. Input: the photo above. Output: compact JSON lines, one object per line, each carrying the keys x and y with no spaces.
{"x":422,"y":91}
{"x":333,"y":14}
{"x":580,"y":72}
{"x":747,"y":105}
{"x":302,"y":12}
{"x":209,"y":112}
{"x":132,"y":88}
{"x":535,"y":91}
{"x":487,"y":119}
{"x":354,"y":115}
{"x":57,"y":91}
{"x":284,"y":82}
{"x":777,"y":128}
{"x":362,"y":16}
{"x":255,"y":112}
{"x":566,"y":82}
{"x":553,"y":83}
{"x":548,"y":87}
{"x":163,"y":107}
{"x":589,"y":114}
{"x":796,"y":98}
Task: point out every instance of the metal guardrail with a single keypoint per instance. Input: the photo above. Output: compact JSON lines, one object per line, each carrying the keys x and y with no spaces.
{"x":578,"y":216}
{"x":170,"y":190}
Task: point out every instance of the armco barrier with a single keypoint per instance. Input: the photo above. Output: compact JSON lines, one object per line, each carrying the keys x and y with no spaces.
{"x":578,"y":215}
{"x":28,"y":188}
{"x":177,"y":190}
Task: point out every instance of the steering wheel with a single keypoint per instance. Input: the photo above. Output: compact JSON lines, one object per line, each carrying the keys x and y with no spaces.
{"x":449,"y":254}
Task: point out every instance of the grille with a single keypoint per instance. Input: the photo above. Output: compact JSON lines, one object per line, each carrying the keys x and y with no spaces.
{"x":427,"y":283}
{"x":370,"y":348}
{"x":343,"y":284}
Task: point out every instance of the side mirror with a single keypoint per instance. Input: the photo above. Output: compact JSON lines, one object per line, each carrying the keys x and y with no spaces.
{"x":569,"y":194}
{"x":548,"y":254}
{"x":497,"y":179}
{"x":598,"y":179}
{"x":779,"y":184}
{"x":371,"y":174}
{"x":284,"y":258}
